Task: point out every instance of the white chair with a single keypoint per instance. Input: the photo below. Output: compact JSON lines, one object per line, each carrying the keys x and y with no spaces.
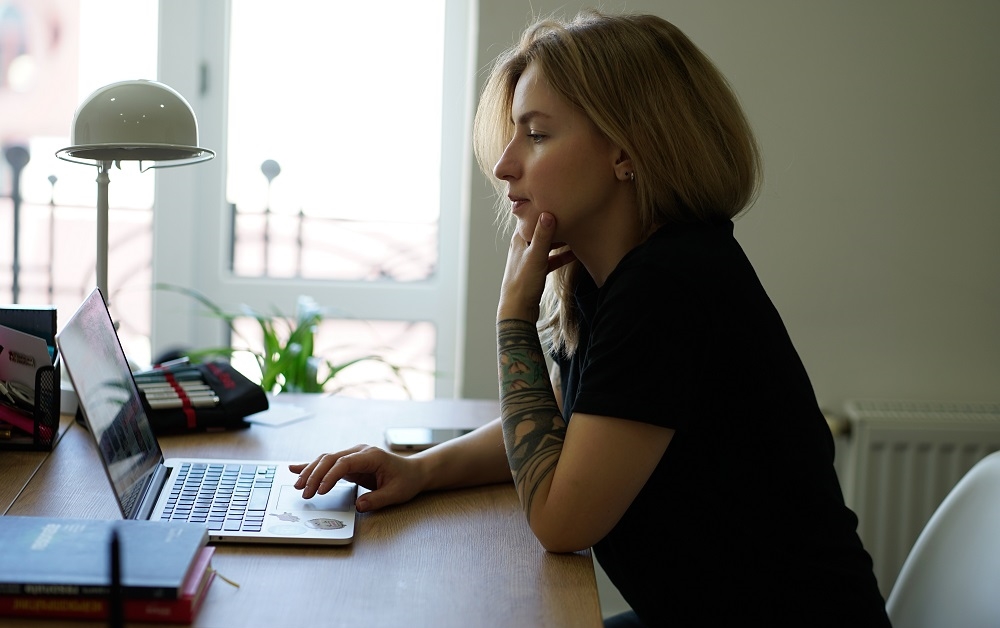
{"x":951,"y":577}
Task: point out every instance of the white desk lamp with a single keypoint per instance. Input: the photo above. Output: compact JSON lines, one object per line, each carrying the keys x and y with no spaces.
{"x":142,"y":121}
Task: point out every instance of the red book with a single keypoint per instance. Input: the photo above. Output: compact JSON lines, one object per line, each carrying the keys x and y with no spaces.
{"x":180,"y":610}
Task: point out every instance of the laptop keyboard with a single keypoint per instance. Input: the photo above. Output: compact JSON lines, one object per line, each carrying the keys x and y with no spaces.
{"x":229,"y":497}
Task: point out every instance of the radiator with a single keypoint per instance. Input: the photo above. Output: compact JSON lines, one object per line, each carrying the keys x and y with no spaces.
{"x":901,"y":460}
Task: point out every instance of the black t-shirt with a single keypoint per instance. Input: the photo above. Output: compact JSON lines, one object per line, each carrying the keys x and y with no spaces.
{"x":743,"y":521}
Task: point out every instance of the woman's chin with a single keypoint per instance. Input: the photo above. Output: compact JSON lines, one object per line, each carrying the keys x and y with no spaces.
{"x":524,"y":230}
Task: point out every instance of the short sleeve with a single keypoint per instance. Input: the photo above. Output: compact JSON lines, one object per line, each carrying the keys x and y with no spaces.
{"x":646,"y":360}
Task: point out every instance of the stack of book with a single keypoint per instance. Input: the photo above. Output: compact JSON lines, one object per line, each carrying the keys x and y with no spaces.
{"x":62,"y":569}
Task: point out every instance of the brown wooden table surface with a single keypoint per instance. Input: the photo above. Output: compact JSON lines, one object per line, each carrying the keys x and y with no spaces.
{"x":458,"y":558}
{"x":18,"y":466}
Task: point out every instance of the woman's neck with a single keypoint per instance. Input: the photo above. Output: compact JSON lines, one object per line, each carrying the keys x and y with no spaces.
{"x":606,"y":244}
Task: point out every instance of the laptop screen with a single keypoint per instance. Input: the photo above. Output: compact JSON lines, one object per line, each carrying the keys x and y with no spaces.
{"x":92,"y":354}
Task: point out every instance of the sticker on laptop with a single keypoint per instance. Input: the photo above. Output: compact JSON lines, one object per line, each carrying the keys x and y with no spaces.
{"x":325,"y":523}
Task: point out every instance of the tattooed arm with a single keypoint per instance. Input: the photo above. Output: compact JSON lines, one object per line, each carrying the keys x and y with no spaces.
{"x":574,"y":482}
{"x":574,"y":478}
{"x":533,"y":426}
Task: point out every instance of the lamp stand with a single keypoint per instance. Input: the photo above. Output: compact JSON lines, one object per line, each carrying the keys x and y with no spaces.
{"x":102,"y":228}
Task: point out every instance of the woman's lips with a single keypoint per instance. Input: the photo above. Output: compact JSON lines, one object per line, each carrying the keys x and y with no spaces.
{"x":517,"y":203}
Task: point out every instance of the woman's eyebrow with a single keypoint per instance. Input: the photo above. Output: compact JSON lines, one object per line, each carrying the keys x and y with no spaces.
{"x":528,"y":116}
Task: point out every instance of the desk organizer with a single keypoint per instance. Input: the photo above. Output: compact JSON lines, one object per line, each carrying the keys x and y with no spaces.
{"x":207,"y":397}
{"x":32,"y":423}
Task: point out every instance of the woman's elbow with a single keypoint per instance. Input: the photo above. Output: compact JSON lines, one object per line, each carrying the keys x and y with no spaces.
{"x":563,"y":548}
{"x":561,"y":540}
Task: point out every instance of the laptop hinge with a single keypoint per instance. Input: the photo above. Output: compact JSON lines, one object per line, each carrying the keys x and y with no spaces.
{"x":145,"y":510}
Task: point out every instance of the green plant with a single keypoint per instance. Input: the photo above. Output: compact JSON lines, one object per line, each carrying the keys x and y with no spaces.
{"x":286,"y":361}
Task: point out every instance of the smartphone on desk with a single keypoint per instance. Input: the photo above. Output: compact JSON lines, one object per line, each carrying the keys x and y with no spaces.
{"x":420,"y":438}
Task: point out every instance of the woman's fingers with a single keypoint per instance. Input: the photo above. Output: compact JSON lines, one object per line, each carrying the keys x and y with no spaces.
{"x":528,"y":263}
{"x":391,"y":478}
{"x":313,"y":474}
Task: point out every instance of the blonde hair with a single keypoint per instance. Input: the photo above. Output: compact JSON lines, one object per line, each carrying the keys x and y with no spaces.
{"x":653,"y":93}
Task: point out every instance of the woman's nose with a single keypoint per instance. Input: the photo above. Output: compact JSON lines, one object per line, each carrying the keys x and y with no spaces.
{"x":506,"y":166}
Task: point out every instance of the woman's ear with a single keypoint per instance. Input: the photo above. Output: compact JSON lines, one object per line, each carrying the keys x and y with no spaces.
{"x":623,"y":166}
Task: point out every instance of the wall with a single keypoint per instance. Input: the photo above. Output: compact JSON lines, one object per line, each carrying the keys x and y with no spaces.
{"x":876,"y":232}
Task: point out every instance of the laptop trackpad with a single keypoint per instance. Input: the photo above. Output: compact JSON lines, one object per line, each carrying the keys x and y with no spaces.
{"x":341,"y":498}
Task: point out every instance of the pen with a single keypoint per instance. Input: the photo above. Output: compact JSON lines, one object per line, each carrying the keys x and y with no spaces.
{"x":178,"y":368}
{"x":186,"y":384}
{"x":171,"y":394}
{"x":183,"y":386}
{"x":197,"y":402}
{"x":169,"y":364}
{"x":116,"y":615}
{"x":147,"y":376}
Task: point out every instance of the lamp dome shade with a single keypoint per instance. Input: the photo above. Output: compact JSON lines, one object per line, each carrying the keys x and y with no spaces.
{"x":135,"y":120}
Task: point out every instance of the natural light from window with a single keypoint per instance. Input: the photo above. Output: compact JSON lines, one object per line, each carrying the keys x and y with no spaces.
{"x":351,"y":129}
{"x":322,"y":90}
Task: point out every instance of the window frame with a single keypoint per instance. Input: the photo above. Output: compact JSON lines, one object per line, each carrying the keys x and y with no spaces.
{"x":191,"y":220}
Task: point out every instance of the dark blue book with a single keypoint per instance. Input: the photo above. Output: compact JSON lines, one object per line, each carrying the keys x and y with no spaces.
{"x":70,"y":557}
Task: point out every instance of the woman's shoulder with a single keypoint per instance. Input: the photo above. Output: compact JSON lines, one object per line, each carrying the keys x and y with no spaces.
{"x":691,"y":237}
{"x":678,"y":251}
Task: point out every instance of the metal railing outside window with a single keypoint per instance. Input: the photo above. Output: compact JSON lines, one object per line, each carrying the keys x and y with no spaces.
{"x":52,"y":261}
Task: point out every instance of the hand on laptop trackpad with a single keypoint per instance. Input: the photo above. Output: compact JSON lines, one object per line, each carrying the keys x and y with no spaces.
{"x":341,"y":498}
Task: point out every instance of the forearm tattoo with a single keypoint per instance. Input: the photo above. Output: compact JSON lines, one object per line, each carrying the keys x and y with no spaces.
{"x":533,"y":427}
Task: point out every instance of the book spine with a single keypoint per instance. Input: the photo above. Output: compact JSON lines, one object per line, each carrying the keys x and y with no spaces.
{"x":169,"y":611}
{"x":72,"y":590}
{"x":192,"y":583}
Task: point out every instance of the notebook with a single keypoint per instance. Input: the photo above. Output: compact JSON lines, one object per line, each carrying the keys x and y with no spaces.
{"x":239,"y":500}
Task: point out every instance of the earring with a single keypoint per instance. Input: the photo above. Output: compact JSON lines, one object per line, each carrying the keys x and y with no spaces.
{"x":630,"y":175}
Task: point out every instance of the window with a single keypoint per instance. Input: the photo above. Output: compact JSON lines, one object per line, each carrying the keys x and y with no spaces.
{"x":346,"y":135}
{"x":342,"y":133}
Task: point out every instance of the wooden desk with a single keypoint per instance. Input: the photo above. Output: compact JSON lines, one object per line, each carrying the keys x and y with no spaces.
{"x":459,"y":558}
{"x":18,"y":467}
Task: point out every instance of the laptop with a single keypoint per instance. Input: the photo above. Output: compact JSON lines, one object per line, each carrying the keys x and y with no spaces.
{"x":243,"y":501}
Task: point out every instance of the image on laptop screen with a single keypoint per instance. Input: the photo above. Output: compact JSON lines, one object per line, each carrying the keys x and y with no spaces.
{"x":111,"y":405}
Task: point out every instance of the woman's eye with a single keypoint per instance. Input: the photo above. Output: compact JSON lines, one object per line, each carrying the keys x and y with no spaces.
{"x":536,"y":137}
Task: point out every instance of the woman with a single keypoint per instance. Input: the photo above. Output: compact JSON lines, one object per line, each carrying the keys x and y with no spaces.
{"x":680,"y":436}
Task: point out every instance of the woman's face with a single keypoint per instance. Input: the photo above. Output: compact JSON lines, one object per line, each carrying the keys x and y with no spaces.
{"x":556,"y":162}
